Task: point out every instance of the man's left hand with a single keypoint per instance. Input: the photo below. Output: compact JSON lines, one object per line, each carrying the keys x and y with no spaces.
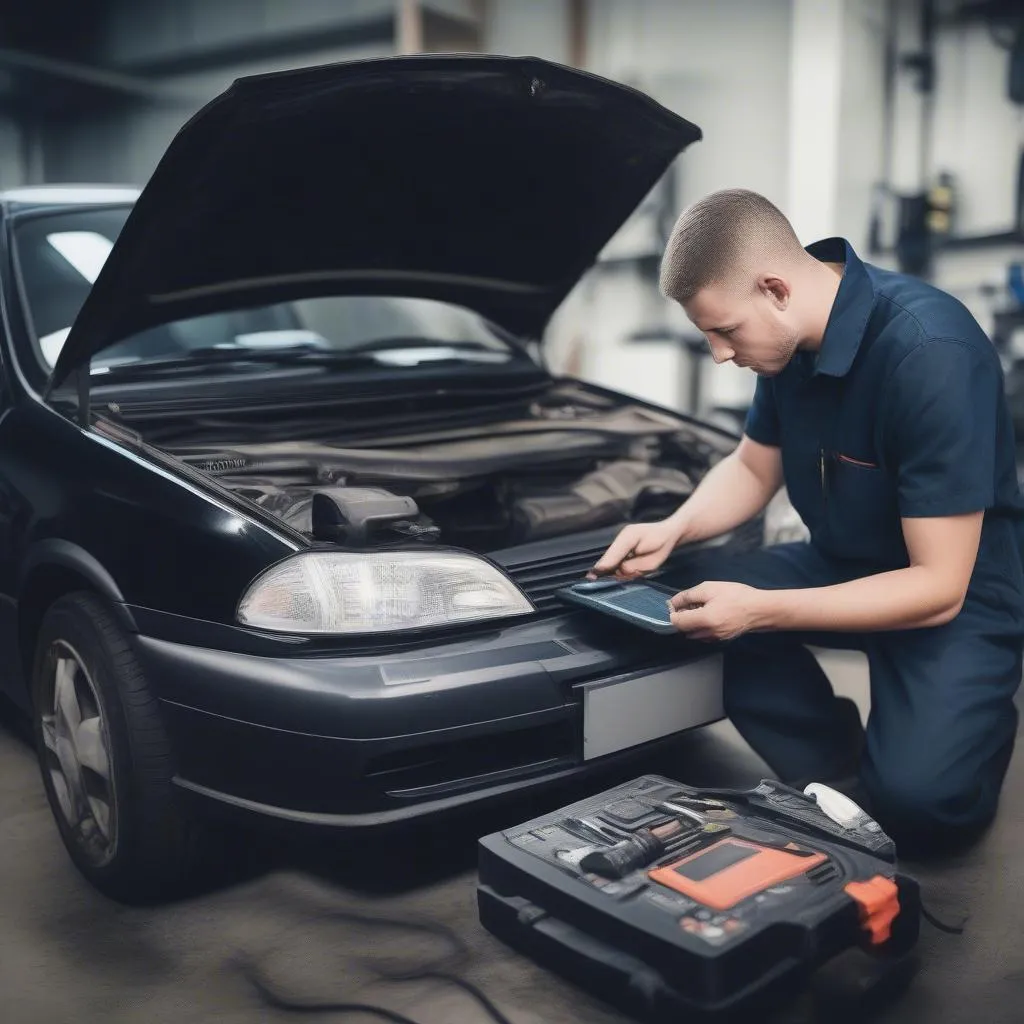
{"x":718,"y":611}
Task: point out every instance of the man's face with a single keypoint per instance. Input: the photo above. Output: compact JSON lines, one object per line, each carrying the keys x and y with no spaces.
{"x":750,"y":327}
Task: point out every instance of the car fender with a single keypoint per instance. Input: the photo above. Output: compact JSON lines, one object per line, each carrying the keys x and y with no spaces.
{"x":139,"y":527}
{"x":56,"y":552}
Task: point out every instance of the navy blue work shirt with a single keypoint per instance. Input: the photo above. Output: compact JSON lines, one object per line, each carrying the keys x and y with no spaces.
{"x":902,"y":413}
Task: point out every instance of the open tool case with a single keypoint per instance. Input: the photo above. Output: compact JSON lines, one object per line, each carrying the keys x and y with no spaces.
{"x":663,"y":899}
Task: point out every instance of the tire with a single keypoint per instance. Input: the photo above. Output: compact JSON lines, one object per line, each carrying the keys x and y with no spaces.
{"x":120,"y":818}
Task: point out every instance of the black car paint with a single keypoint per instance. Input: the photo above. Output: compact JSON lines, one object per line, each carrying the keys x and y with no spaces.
{"x":172,"y":553}
{"x":77,"y":504}
{"x":173,"y":558}
{"x":358,"y":732}
{"x":485,"y":181}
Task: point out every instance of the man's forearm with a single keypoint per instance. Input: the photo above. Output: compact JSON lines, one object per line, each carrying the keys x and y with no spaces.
{"x":912,"y":598}
{"x":729,"y":495}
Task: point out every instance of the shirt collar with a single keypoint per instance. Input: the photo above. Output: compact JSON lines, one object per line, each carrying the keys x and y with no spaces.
{"x":850,"y":311}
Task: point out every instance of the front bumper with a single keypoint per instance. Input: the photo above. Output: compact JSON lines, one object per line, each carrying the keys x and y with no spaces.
{"x":350,"y":741}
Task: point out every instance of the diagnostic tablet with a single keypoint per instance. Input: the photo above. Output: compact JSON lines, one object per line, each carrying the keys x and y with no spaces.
{"x":640,"y":602}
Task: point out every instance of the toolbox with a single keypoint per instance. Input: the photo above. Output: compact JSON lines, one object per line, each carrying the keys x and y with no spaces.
{"x":676,"y":903}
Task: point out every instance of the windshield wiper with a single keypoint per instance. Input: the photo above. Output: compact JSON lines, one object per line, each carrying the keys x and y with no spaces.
{"x":202,"y":357}
{"x":310,"y":355}
{"x":413,"y":342}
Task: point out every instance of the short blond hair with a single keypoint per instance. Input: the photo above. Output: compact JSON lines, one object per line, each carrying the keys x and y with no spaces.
{"x":720,"y":235}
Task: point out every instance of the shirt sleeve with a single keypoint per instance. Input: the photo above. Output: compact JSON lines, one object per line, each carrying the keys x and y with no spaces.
{"x":942,"y":411}
{"x":762,"y":423}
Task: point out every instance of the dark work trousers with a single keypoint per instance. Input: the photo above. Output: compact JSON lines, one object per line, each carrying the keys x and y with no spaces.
{"x":942,"y":723}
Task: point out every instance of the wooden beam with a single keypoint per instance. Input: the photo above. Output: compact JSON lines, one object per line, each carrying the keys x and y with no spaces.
{"x":409,"y":27}
{"x":577,"y":13}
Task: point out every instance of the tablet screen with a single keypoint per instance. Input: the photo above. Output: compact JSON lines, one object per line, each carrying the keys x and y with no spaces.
{"x":641,"y":600}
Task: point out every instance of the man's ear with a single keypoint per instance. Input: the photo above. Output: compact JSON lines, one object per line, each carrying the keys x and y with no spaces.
{"x":775,"y":289}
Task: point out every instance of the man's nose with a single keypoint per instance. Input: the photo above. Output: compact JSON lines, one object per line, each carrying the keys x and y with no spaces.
{"x":720,"y":352}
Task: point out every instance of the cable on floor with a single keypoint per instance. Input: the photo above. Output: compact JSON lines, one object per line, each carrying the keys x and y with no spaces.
{"x":256,"y":975}
{"x":949,"y":929}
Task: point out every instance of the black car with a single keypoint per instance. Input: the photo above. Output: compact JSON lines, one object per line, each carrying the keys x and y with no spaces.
{"x":286,"y":490}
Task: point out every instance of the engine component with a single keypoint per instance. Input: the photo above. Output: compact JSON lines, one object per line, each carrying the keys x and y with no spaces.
{"x":291,"y":505}
{"x":606,"y":496}
{"x":355,"y":515}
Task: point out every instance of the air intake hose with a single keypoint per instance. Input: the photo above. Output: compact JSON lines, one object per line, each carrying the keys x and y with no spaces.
{"x":609,"y":495}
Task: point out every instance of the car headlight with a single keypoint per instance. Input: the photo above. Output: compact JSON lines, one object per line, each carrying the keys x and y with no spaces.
{"x":782,"y":522}
{"x":343,"y":592}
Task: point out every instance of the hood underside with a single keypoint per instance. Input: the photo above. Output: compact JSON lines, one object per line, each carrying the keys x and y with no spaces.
{"x":489,"y":182}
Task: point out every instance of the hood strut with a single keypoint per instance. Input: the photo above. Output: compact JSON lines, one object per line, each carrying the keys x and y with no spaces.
{"x":83,"y":382}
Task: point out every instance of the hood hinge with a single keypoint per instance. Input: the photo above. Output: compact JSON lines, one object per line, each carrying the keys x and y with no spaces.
{"x":82,"y":386}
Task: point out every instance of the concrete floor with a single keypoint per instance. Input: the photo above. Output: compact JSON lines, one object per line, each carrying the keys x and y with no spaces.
{"x":67,"y":956}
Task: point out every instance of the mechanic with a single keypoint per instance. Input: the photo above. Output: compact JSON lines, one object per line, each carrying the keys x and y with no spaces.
{"x":879,"y":403}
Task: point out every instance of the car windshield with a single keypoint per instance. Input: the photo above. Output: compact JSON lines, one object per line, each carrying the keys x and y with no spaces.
{"x":61,"y":254}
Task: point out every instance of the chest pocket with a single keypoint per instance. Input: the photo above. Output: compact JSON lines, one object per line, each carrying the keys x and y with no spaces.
{"x":862,"y":511}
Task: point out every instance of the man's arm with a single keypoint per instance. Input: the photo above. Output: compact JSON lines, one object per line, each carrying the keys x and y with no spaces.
{"x":930,"y":592}
{"x":743,"y":483}
{"x":731,"y":493}
{"x":940,"y":411}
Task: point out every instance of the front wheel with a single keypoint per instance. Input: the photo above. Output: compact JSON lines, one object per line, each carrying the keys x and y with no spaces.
{"x":106,"y":759}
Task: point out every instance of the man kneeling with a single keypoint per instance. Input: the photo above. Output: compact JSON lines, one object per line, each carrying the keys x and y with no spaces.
{"x":879,"y":402}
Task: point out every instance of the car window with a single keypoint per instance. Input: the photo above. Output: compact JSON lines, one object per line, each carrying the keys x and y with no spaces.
{"x":61,"y":254}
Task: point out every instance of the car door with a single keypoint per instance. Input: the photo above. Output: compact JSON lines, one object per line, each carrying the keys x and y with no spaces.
{"x":10,"y":661}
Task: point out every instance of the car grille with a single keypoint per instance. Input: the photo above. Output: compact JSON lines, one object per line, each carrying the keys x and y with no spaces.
{"x":539,"y":580}
{"x":540,"y":576}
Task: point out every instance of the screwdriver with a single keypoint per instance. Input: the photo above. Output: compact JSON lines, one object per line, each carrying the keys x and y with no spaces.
{"x":645,"y":846}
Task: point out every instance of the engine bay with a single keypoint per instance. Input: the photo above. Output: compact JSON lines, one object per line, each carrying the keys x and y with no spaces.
{"x":570,"y":461}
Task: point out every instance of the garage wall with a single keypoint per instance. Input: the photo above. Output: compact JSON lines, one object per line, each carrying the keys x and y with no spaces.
{"x":791,"y":106}
{"x":533,"y":28}
{"x":738,"y":94}
{"x":144,"y":32}
{"x":978,"y":132}
{"x":126,"y":144}
{"x":12,"y":163}
{"x":861,"y":158}
{"x":722,"y":65}
{"x":195,"y":49}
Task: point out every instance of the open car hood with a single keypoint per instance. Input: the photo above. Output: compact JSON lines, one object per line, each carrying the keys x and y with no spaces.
{"x":490,"y":182}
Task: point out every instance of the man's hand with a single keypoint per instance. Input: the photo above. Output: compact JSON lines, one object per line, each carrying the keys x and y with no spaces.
{"x":731,"y":493}
{"x":719,"y":611}
{"x":638,"y":549}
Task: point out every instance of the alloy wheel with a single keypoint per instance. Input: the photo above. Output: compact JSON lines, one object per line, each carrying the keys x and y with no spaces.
{"x":77,"y":754}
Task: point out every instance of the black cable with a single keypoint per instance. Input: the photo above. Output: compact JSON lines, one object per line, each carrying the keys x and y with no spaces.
{"x":478,"y":994}
{"x":271,"y":998}
{"x":280,"y":1002}
{"x":457,"y":952}
{"x":949,"y":929}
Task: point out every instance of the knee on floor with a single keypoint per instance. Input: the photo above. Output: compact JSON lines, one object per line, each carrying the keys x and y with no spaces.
{"x":919,"y":809}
